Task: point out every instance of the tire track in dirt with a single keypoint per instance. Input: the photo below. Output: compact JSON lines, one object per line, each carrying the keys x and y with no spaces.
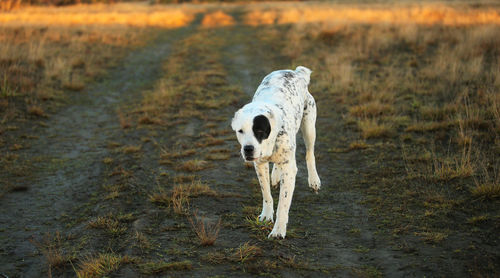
{"x":70,"y":153}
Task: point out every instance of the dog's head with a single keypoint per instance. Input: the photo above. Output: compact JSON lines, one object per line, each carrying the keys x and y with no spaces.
{"x":255,"y":127}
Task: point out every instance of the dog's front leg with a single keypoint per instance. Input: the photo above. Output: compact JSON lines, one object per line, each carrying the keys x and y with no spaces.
{"x":262,"y":170}
{"x":288,"y":173}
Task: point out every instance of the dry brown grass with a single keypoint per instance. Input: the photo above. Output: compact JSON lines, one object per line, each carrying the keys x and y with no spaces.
{"x":487,"y":185}
{"x":246,"y":252}
{"x":206,"y":232}
{"x":371,"y":109}
{"x":217,"y":19}
{"x":432,"y":237}
{"x":8,"y":5}
{"x":375,"y":129}
{"x":193,"y":165}
{"x":180,"y":202}
{"x":127,"y":14}
{"x":447,"y":168}
{"x":100,"y":265}
{"x":427,"y":14}
{"x":131,"y":149}
{"x":166,"y":154}
{"x":39,"y":63}
{"x":109,"y":224}
{"x":178,"y":197}
{"x":36,"y":110}
{"x":51,"y":246}
{"x":487,"y":191}
{"x":125,"y":121}
{"x":195,"y":188}
{"x":358,"y":145}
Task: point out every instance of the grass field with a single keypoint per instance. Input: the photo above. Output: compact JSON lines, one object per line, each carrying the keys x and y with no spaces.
{"x":117,"y":158}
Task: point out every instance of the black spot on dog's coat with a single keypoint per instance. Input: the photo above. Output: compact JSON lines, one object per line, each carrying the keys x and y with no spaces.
{"x":261,"y":128}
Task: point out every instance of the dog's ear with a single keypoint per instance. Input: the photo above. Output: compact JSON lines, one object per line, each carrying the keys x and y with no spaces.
{"x":261,"y":127}
{"x":235,"y":121}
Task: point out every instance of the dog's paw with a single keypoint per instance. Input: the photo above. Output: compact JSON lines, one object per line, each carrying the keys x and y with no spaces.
{"x":279,"y":231}
{"x":266,"y":215}
{"x":314,"y":183}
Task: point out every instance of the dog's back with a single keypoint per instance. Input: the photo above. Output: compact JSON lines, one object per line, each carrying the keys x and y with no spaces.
{"x":284,"y":83}
{"x":287,"y":90}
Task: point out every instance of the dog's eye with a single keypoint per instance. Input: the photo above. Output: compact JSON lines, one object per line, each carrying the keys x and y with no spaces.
{"x":240,"y":131}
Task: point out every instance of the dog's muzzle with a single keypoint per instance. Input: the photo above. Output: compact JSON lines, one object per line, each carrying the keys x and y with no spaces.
{"x":248,"y":152}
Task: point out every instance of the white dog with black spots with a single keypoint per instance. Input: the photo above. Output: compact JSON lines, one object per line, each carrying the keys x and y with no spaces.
{"x":266,"y":129}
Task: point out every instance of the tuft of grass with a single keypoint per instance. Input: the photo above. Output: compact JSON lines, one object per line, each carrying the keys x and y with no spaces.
{"x":142,"y":241}
{"x":487,"y":187}
{"x":107,"y":160}
{"x":362,"y":249}
{"x":193,"y":165}
{"x":428,"y":126}
{"x":74,"y":85}
{"x":371,"y":109}
{"x":179,"y":202}
{"x":36,"y":110}
{"x":131,"y":149}
{"x":217,"y":19}
{"x":371,"y":128}
{"x":214,"y":257}
{"x":6,"y":89}
{"x":125,"y":121}
{"x":166,"y":155}
{"x":261,"y":229}
{"x":152,"y":268}
{"x":358,"y":145}
{"x":206,"y":232}
{"x":432,"y":237}
{"x":184,"y":178}
{"x":109,"y":224}
{"x":161,"y":197}
{"x":51,"y":246}
{"x":99,"y":266}
{"x":446,"y":169}
{"x":477,"y":219}
{"x":355,"y":231}
{"x":250,"y":211}
{"x":245,"y":252}
{"x":16,"y":147}
{"x":487,"y":191}
{"x":178,"y":198}
{"x":195,"y":188}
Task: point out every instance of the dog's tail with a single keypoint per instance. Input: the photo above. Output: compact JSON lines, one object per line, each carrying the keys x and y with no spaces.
{"x":305,"y":72}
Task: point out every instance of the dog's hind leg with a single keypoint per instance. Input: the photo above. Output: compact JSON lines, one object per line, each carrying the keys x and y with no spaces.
{"x":308,"y":128}
{"x":262,"y":170}
{"x":275,"y":176}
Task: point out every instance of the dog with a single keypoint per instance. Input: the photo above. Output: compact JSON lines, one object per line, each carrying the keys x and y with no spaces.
{"x":266,"y":130}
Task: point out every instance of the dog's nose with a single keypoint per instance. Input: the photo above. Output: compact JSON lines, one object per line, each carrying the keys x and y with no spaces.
{"x":248,"y":149}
